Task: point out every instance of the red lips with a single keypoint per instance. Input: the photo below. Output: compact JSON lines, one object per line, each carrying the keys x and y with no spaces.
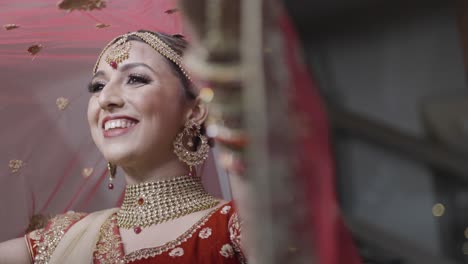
{"x":114,"y":132}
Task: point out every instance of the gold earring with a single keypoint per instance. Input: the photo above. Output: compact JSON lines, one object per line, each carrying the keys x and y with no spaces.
{"x":187,"y":155}
{"x":112,"y":170}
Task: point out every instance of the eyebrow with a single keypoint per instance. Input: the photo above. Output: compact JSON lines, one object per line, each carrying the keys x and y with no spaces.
{"x":126,"y":67}
{"x":129,"y":66}
{"x":98,"y":73}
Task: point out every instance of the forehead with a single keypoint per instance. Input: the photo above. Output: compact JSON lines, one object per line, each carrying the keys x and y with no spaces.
{"x":139,"y":52}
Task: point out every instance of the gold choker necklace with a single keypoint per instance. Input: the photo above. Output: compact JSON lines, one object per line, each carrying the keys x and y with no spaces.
{"x":153,"y":203}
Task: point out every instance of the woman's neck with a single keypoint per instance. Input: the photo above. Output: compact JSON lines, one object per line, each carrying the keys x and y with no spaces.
{"x":165,"y":171}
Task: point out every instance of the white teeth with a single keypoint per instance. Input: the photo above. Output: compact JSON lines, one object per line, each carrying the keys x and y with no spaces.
{"x":118,"y":123}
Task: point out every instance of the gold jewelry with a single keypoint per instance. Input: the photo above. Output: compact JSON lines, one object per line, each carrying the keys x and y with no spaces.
{"x":119,"y":52}
{"x":189,"y":157}
{"x":112,"y":171}
{"x":153,"y":203}
{"x":121,"y":48}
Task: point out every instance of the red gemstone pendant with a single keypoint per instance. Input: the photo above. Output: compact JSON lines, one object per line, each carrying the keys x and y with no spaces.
{"x":113,"y":64}
{"x":110,"y":186}
{"x":137,"y":230}
{"x":141,"y":201}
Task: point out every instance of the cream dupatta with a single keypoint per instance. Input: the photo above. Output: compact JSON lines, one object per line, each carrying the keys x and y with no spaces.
{"x":78,"y":243}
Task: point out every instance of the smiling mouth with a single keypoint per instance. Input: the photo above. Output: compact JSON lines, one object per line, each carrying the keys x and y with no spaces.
{"x":119,"y":124}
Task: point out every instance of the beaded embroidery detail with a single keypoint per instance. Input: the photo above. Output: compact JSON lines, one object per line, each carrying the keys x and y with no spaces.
{"x":109,"y":245}
{"x":46,"y":240}
{"x":108,"y":249}
{"x":235,"y":231}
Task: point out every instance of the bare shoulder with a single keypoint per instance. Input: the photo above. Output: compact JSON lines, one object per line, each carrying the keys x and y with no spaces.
{"x":14,"y":251}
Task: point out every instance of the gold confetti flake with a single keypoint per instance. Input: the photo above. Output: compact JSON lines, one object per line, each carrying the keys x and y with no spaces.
{"x":15,"y":165}
{"x":82,"y":5}
{"x":10,"y":26}
{"x":62,"y":103}
{"x":87,"y":172}
{"x":102,"y":25}
{"x":438,"y":210}
{"x":171,"y":11}
{"x":34,"y":49}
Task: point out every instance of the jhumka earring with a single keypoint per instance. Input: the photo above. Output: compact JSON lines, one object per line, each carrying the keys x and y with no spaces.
{"x":112,"y":170}
{"x":185,"y":146}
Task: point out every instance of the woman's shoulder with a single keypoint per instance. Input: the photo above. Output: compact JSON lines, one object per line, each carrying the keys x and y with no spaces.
{"x":223,"y":232}
{"x":42,"y":241}
{"x":226,"y":221}
{"x":224,"y":212}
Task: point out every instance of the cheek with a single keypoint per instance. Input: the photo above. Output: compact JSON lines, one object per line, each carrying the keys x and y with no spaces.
{"x":159,"y":103}
{"x":164,"y":110}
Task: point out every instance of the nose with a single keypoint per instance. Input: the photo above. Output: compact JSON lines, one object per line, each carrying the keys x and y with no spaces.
{"x":110,"y":97}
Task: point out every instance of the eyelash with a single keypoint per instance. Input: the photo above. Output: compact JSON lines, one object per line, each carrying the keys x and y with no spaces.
{"x":132,"y":80}
{"x":135,"y":78}
{"x":95,"y":87}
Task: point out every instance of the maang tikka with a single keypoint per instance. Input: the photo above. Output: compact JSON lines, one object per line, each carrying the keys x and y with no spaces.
{"x":188,"y":149}
{"x":119,"y":50}
{"x":112,"y":171}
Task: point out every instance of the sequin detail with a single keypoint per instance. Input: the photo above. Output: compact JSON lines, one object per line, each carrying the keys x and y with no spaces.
{"x":176,"y":252}
{"x":151,"y":252}
{"x":44,"y":241}
{"x":108,"y":249}
{"x":227,"y":251}
{"x":205,"y":233}
{"x":235,"y":231}
{"x":226,"y":209}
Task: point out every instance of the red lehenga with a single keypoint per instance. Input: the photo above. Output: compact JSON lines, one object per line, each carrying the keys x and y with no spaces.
{"x":213,"y":239}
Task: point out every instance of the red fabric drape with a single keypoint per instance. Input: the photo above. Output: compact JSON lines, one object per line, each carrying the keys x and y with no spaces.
{"x":332,"y":241}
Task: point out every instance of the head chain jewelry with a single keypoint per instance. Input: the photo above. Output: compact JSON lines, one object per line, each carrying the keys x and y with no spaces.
{"x":121,"y":48}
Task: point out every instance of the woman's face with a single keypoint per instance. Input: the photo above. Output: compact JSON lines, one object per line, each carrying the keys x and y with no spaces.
{"x":136,"y":110}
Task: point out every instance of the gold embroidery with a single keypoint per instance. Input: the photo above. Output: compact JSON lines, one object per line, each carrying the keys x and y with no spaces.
{"x":151,"y":252}
{"x":87,"y":172}
{"x":62,"y":103}
{"x":108,"y":248}
{"x":176,"y":252}
{"x":15,"y":165}
{"x":82,"y":5}
{"x":225,"y":209}
{"x":102,"y":25}
{"x":51,"y":236}
{"x":235,"y":231}
{"x":227,"y":251}
{"x":10,"y":26}
{"x":34,"y":49}
{"x":205,"y":233}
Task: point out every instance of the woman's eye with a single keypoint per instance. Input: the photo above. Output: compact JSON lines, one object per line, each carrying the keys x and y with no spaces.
{"x":95,"y":87}
{"x":138,"y":79}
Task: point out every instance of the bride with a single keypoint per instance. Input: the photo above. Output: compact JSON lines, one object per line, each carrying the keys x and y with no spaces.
{"x":146,"y":119}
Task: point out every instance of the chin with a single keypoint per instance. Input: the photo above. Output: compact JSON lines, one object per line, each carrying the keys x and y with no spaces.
{"x":118,"y":155}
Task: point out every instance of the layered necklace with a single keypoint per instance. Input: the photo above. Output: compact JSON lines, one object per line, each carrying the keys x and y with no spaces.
{"x":153,"y":203}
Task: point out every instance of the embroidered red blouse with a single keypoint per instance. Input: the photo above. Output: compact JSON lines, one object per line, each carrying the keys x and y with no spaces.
{"x":213,"y":239}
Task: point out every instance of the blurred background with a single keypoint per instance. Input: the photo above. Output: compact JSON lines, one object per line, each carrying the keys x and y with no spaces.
{"x":394,"y":79}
